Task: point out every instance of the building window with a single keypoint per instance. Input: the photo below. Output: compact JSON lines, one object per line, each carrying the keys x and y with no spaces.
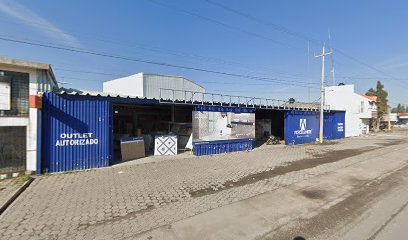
{"x":362,"y":107}
{"x":12,"y":149}
{"x":14,"y":90}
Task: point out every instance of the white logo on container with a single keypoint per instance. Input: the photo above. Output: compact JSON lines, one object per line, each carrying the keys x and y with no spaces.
{"x":302,"y":128}
{"x":302,"y":123}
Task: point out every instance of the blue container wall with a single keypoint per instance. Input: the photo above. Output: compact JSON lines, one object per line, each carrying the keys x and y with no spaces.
{"x":340,"y":120}
{"x":77,"y":132}
{"x":328,"y":130}
{"x":334,"y":125}
{"x":301,"y":127}
{"x":224,"y":146}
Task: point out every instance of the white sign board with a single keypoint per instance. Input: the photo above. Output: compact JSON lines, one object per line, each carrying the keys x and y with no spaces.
{"x":5,"y":95}
{"x":165,"y":145}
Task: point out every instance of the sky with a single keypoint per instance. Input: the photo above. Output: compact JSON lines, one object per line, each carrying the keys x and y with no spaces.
{"x":248,"y":48}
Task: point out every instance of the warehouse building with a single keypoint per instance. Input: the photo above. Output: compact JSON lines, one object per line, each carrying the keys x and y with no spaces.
{"x":20,"y":84}
{"x":90,"y":130}
{"x":143,"y":114}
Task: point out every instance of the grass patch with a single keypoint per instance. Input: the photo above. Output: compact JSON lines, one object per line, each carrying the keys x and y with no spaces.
{"x":24,"y":178}
{"x":327,"y":142}
{"x":70,"y":172}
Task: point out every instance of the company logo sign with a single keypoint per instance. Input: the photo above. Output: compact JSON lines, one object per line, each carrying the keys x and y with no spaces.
{"x":303,"y":128}
{"x":76,"y":139}
{"x":340,"y":127}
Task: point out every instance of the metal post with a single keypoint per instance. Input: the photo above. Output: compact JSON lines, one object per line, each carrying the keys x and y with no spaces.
{"x":172,"y":91}
{"x":172,"y":113}
{"x":39,"y":142}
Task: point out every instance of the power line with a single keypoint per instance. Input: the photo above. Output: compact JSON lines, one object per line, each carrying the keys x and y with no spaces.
{"x":118,"y":75}
{"x":155,"y":49}
{"x":200,"y":82}
{"x":231,"y":27}
{"x":261,"y":21}
{"x":293,"y":33}
{"x":87,"y":72}
{"x":107,"y":55}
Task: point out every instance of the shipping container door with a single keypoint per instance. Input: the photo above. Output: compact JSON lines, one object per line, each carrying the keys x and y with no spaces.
{"x":328,"y":126}
{"x":339,"y":125}
{"x":301,"y":127}
{"x":76,"y":132}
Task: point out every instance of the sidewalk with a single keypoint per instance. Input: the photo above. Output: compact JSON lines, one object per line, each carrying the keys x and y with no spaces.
{"x":8,"y":187}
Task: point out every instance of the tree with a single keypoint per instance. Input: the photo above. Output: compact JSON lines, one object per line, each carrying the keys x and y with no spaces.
{"x":400,"y":109}
{"x":382,"y":102}
{"x":371,"y":92}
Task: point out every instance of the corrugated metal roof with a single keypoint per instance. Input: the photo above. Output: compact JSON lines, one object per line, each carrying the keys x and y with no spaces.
{"x":284,"y":105}
{"x":72,"y":91}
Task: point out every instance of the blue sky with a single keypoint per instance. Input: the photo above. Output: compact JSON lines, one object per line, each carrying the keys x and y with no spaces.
{"x":267,"y":41}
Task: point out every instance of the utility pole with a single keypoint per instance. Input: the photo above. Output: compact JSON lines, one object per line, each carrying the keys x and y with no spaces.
{"x":331,"y":59}
{"x":322,"y":96}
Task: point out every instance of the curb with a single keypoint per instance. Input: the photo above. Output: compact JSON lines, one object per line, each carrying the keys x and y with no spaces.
{"x":15,"y":174}
{"x":19,"y":191}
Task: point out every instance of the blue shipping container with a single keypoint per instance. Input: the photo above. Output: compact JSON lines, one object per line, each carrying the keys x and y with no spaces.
{"x":222,"y":146}
{"x":301,"y":127}
{"x":334,"y":125}
{"x":77,"y":132}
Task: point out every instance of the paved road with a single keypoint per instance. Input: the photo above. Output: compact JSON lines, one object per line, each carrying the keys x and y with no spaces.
{"x":396,"y":227}
{"x":131,"y":201}
{"x":365,"y":199}
{"x":376,"y":208}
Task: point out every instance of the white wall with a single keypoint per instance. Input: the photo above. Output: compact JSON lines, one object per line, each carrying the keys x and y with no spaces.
{"x":38,"y":82}
{"x":150,"y":85}
{"x":130,"y":85}
{"x":365,"y":107}
{"x":356,"y":106}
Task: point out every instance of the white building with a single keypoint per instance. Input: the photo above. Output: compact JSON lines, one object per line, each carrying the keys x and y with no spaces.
{"x":19,"y":81}
{"x":391,"y":118}
{"x":403,"y":119}
{"x":155,"y":86}
{"x":360,"y":109}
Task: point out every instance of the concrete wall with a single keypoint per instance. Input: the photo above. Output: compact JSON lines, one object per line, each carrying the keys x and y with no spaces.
{"x":130,"y":85}
{"x":358,"y":108}
{"x":39,"y":81}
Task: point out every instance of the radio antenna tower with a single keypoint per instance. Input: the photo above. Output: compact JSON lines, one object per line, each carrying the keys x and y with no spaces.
{"x":331,"y":59}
